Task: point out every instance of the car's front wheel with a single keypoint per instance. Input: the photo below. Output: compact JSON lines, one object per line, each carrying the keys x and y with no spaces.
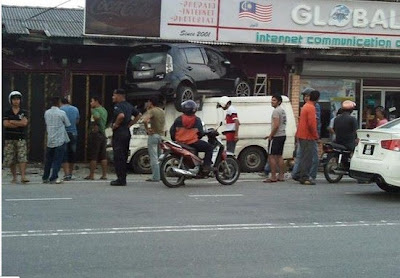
{"x":242,"y":89}
{"x":183,"y":93}
{"x":140,"y":162}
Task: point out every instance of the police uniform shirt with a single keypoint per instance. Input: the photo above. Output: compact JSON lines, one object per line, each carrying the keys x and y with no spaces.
{"x":128,"y":110}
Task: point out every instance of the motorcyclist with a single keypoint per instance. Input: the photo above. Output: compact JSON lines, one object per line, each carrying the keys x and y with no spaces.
{"x":345,"y":127}
{"x":188,"y":129}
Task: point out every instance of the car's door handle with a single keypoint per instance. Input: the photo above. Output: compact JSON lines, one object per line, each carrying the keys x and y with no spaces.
{"x":213,"y":70}
{"x":189,"y":68}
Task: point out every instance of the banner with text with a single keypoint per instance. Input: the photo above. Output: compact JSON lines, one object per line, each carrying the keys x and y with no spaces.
{"x":311,"y":24}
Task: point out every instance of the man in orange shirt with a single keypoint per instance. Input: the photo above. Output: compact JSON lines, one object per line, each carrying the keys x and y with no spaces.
{"x":307,"y":135}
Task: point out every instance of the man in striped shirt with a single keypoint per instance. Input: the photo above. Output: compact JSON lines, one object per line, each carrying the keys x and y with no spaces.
{"x":232,"y":123}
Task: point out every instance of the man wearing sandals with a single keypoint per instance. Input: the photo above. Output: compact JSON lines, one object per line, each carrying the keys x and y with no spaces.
{"x":276,"y":140}
{"x":97,"y":140}
{"x":15,"y":122}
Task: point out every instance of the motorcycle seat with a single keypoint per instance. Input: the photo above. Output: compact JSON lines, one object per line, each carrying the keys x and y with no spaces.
{"x":189,"y":148}
{"x":337,"y":146}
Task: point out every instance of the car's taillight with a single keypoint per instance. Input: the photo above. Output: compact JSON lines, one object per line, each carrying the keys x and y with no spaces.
{"x":393,"y":145}
{"x":169,"y":65}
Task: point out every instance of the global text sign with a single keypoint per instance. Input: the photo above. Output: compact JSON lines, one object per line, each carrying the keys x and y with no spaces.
{"x":320,"y":24}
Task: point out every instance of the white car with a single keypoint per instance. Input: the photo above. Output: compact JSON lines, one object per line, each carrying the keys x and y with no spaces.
{"x":376,"y":158}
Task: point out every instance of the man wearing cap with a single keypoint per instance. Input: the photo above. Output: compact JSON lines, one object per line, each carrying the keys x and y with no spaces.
{"x":307,"y":136}
{"x":345,"y":127}
{"x":122,"y":121}
{"x":232,"y":123}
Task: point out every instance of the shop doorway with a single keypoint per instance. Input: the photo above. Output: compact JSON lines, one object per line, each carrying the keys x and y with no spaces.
{"x":372,"y":97}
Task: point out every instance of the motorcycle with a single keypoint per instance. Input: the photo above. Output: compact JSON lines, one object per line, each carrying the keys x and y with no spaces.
{"x":336,"y":161}
{"x":179,"y":162}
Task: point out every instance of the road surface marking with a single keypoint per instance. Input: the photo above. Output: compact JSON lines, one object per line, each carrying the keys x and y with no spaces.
{"x":217,"y":195}
{"x":191,"y":228}
{"x":37,"y":199}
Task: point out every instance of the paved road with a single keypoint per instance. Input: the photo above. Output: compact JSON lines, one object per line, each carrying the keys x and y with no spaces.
{"x":250,"y":229}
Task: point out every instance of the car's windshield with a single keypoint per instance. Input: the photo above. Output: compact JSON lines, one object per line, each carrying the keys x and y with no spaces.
{"x":393,"y":125}
{"x":140,"y":60}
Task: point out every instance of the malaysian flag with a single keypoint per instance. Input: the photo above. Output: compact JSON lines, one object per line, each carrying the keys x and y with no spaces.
{"x":249,"y":9}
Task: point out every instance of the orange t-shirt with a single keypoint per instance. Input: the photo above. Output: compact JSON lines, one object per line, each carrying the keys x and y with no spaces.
{"x":307,"y":128}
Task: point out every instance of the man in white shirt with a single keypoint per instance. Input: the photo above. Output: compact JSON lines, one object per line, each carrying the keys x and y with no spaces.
{"x":57,"y":137}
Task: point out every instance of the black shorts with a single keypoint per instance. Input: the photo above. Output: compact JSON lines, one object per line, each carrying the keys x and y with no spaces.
{"x":97,"y":146}
{"x":275,"y":146}
{"x":70,"y":154}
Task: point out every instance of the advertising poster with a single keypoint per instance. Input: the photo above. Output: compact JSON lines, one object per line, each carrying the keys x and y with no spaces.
{"x":318,"y":24}
{"x":123,"y":17}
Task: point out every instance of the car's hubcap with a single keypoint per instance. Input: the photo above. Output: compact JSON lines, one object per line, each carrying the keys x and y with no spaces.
{"x":187,"y":95}
{"x":242,"y":89}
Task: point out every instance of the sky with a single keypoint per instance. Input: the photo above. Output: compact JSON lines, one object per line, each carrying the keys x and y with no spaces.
{"x":45,"y":3}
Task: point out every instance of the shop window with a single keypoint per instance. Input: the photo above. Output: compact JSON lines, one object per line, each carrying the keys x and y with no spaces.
{"x":332,"y":93}
{"x":276,"y":86}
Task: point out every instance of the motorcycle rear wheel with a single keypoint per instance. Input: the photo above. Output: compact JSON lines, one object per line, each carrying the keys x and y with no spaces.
{"x":227,"y":171}
{"x":329,"y":167}
{"x":167,"y":176}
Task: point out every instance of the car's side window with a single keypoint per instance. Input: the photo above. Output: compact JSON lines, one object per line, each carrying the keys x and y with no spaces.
{"x":213,"y":59}
{"x":193,"y":55}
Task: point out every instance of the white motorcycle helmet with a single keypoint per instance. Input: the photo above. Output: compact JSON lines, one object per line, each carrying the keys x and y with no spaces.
{"x":14,"y":94}
{"x":223,"y":101}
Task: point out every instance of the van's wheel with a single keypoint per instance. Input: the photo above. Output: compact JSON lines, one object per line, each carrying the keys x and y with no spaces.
{"x":252,"y":159}
{"x":183,"y":93}
{"x":242,"y":89}
{"x":140,"y":162}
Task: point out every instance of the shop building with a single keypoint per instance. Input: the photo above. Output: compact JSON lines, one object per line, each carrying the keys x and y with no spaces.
{"x":52,"y":52}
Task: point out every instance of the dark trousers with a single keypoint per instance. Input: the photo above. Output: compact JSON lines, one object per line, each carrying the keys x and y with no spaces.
{"x":203,"y":146}
{"x":120,"y":144}
{"x":307,"y":151}
{"x":54,"y":158}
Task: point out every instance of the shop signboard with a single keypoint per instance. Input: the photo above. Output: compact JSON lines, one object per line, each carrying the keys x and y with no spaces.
{"x":310,"y":24}
{"x":123,"y":18}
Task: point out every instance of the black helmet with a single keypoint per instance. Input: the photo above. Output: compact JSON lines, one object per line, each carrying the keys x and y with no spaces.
{"x":189,"y":107}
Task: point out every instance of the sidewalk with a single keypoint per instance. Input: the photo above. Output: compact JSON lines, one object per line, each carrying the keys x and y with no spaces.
{"x":34,"y":173}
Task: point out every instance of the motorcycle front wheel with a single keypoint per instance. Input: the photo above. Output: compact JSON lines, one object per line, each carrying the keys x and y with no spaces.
{"x":329,"y":167}
{"x":168,"y":177}
{"x":227,"y":171}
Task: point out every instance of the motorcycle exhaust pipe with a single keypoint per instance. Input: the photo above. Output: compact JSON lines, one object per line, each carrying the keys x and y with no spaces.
{"x":183,"y":173}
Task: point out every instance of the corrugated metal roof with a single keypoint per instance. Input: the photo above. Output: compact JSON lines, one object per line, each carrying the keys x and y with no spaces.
{"x":55,"y":22}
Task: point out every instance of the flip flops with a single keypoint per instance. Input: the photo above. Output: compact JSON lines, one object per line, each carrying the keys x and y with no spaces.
{"x":89,"y":178}
{"x":103,"y":178}
{"x":269,"y":181}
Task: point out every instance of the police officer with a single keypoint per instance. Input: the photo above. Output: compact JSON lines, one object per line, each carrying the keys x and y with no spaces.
{"x":122,"y":121}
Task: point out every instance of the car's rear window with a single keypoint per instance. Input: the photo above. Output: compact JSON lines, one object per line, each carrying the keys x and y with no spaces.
{"x":150,"y":58}
{"x":393,"y":125}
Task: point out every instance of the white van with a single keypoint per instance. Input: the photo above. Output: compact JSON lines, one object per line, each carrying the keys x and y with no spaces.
{"x":255,"y":123}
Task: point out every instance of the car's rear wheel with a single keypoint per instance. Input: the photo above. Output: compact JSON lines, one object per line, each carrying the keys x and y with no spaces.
{"x":183,"y":93}
{"x":387,"y":187}
{"x":242,"y":89}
